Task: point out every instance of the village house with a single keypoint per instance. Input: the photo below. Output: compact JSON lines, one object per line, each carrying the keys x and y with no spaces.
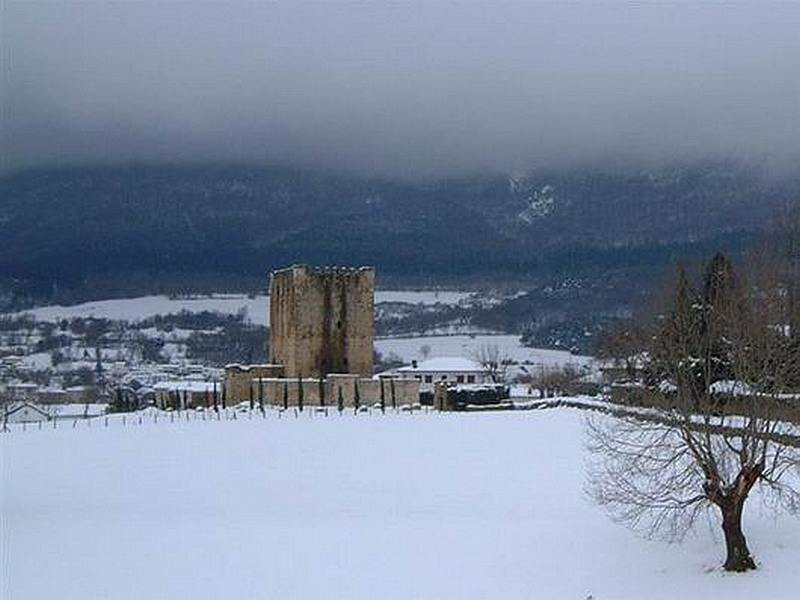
{"x":448,"y":369}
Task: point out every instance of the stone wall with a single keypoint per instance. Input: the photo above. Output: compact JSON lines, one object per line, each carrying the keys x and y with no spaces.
{"x":278,"y":392}
{"x":322,"y":320}
{"x":238,"y":380}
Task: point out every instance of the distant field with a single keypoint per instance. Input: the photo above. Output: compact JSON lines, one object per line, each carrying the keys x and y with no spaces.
{"x":136,"y":309}
{"x":401,"y":506}
{"x":410,"y":348}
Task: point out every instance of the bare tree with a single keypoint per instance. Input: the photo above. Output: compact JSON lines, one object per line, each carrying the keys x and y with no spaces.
{"x":424,"y":351}
{"x":555,"y":381}
{"x":493,"y":361}
{"x":719,"y":428}
{"x":619,"y":347}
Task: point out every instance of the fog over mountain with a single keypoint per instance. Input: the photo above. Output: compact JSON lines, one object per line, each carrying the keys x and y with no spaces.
{"x":400,"y":90}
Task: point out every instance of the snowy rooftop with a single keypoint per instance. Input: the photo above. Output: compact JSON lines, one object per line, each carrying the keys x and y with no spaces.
{"x":76,"y":410}
{"x":448,"y":364}
{"x":187,"y":386}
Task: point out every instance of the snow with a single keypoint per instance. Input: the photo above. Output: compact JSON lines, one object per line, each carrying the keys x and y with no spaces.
{"x":37,"y":361}
{"x":441,"y":506}
{"x":446,"y":364}
{"x":75,"y":410}
{"x":467,"y":346}
{"x":187,"y":386}
{"x":728,"y":387}
{"x":257,"y":307}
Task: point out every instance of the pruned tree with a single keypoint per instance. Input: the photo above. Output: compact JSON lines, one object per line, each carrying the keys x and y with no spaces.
{"x":721,"y":428}
{"x":620,"y":346}
{"x":555,"y":381}
{"x":493,"y":361}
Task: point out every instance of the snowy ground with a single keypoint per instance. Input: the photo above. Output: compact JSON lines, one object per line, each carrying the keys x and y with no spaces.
{"x":398,"y":506}
{"x":135,"y":309}
{"x":467,"y":345}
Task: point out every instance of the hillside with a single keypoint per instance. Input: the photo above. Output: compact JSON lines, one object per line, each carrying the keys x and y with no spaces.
{"x":109,"y":230}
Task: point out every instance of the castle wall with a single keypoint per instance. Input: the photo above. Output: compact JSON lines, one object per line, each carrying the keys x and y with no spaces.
{"x":322,"y":320}
{"x":238,"y":380}
{"x":369,"y":391}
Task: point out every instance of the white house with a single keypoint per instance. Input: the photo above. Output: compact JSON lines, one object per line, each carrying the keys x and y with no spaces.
{"x":452,"y":369}
{"x":25,"y":412}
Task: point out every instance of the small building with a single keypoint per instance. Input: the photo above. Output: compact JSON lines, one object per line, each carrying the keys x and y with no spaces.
{"x":22,"y":392}
{"x":447,"y":369}
{"x":52,"y":395}
{"x":81,"y":394}
{"x":24,"y":412}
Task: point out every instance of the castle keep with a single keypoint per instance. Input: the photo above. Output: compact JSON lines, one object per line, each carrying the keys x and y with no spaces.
{"x":322,"y":320}
{"x":321,"y":338}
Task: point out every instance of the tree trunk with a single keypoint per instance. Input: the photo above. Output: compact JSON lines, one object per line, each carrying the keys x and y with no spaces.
{"x":738,"y":557}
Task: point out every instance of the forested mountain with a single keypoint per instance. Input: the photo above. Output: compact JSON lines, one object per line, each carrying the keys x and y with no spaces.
{"x":81,"y":231}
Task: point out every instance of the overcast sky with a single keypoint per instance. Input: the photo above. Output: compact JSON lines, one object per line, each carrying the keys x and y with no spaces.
{"x":398,"y":89}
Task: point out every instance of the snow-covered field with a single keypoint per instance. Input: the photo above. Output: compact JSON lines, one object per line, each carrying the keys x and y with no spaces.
{"x":399,"y":506}
{"x":136,"y":309}
{"x":467,"y":345}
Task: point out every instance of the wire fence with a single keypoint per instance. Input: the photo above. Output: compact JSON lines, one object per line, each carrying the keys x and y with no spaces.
{"x":150,"y":416}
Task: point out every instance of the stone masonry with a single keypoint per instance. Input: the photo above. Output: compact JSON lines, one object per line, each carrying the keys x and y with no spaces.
{"x":238,"y":379}
{"x":322,"y":320}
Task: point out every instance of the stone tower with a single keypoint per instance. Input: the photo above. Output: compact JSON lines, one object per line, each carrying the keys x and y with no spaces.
{"x":322,"y":320}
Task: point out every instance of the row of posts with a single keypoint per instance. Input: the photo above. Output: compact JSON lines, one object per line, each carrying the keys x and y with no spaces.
{"x":216,"y":400}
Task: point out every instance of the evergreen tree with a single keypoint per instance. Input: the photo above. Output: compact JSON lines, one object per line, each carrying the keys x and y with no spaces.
{"x":721,"y":311}
{"x":677,"y":349}
{"x":300,"y":396}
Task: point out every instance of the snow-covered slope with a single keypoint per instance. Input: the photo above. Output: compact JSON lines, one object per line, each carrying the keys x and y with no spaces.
{"x":399,"y":506}
{"x":468,"y":346}
{"x":257,"y":307}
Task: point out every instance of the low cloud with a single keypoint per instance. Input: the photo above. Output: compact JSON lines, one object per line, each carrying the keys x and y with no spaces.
{"x":400,"y":90}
